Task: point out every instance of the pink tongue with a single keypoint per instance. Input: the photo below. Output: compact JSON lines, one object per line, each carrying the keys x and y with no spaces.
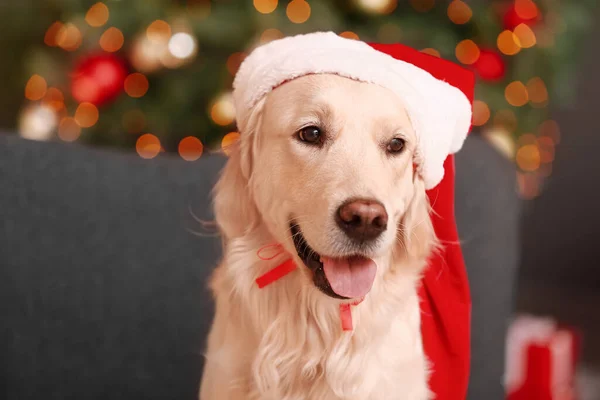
{"x":350,"y":277}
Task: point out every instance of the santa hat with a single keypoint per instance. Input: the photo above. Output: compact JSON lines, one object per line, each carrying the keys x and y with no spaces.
{"x":439,"y":112}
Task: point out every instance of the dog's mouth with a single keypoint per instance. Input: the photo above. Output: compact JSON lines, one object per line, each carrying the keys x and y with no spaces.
{"x":349,"y":277}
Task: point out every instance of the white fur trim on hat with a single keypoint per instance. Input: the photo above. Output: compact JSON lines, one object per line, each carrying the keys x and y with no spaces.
{"x":440,"y":113}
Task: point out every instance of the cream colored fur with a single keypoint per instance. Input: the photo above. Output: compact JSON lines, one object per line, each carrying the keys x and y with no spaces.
{"x":285,"y":342}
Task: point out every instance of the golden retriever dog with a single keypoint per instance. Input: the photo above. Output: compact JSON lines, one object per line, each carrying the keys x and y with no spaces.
{"x":326,"y":170}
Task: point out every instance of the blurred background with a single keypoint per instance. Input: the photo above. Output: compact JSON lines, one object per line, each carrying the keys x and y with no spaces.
{"x":153,"y":78}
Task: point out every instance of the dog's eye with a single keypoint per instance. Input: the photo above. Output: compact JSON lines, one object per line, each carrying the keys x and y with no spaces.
{"x":310,"y":134}
{"x":396,"y":145}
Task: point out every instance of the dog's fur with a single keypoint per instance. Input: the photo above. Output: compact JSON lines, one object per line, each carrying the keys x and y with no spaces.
{"x":285,"y":342}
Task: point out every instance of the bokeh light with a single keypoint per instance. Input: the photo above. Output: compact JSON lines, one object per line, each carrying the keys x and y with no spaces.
{"x":508,"y":43}
{"x":505,"y":119}
{"x":222,"y":111}
{"x":69,"y":37}
{"x":134,"y":121}
{"x":546,"y":148}
{"x":228,"y":141}
{"x":148,"y":146}
{"x":459,"y":12}
{"x":526,"y":138}
{"x":538,"y":93}
{"x":158,"y":31}
{"x":550,"y":128}
{"x":69,"y":130}
{"x":112,"y":40}
{"x":270,"y":34}
{"x":467,"y":52}
{"x":265,"y":6}
{"x":422,"y":5}
{"x":529,"y":185}
{"x":36,"y":88}
{"x":37,"y":122}
{"x":97,"y":15}
{"x":528,"y":157}
{"x":526,"y":9}
{"x":378,"y":6}
{"x":54,"y":99}
{"x":431,"y":52}
{"x":502,"y":141}
{"x":190,"y":148}
{"x":146,"y":55}
{"x":182,"y":46}
{"x":349,"y":35}
{"x":481,"y":113}
{"x":136,"y":85}
{"x":516,"y":94}
{"x":86,"y":115}
{"x":298,"y":11}
{"x":234,"y":61}
{"x":525,"y":35}
{"x":52,"y":34}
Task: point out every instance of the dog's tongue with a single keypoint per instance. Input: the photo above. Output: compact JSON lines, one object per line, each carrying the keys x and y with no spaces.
{"x":350,"y":277}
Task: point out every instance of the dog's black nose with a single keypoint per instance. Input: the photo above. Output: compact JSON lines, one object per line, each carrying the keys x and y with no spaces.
{"x":362,"y":219}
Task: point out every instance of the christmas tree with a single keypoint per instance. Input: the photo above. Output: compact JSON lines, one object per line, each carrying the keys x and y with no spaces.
{"x":155,"y":75}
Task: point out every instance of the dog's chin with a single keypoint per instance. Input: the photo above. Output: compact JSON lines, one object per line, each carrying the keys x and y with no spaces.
{"x":315,"y":263}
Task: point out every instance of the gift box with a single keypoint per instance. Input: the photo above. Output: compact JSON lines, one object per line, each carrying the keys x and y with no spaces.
{"x":541,"y":360}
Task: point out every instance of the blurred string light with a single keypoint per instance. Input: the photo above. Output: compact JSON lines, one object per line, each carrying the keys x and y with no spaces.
{"x":159,"y":32}
{"x":190,"y":148}
{"x":228,"y":141}
{"x":349,"y":35}
{"x":516,"y":94}
{"x":265,"y":6}
{"x":97,"y":15}
{"x":422,"y":5}
{"x":538,"y":93}
{"x":481,"y":113}
{"x":136,"y":85}
{"x":134,"y":121}
{"x":37,"y":122}
{"x":528,"y":157}
{"x":459,"y":12}
{"x":86,"y":115}
{"x":222,"y":110}
{"x":270,"y":34}
{"x":234,"y":61}
{"x":36,"y":88}
{"x":52,"y":34}
{"x":69,"y":130}
{"x":550,"y":129}
{"x":546,"y":148}
{"x":182,"y":46}
{"x":112,"y":40}
{"x":431,"y":52}
{"x":529,"y":185}
{"x":467,"y":52}
{"x":298,"y":11}
{"x":525,"y":36}
{"x":526,"y":9}
{"x":377,"y":6}
{"x":69,"y":37}
{"x":508,"y":43}
{"x":54,"y":99}
{"x":148,"y":146}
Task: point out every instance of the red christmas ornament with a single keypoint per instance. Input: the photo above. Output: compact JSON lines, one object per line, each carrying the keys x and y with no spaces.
{"x":490,"y":65}
{"x":521,"y":12}
{"x":98,"y":79}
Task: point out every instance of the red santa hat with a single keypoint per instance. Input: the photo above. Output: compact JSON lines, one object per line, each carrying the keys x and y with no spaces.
{"x":439,"y":112}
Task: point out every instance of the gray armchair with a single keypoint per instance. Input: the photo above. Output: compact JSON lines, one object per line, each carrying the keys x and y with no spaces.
{"x":103,"y":274}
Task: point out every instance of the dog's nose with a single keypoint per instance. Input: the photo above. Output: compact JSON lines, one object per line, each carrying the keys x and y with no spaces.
{"x":363,"y":219}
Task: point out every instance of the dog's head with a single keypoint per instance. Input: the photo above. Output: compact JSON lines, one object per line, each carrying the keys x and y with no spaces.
{"x":327,"y":167}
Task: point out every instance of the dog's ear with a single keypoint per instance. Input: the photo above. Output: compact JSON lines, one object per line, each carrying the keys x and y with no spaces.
{"x":235,"y":209}
{"x":417,"y":234}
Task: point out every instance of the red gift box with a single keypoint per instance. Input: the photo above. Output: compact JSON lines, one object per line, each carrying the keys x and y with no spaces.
{"x":541,"y":360}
